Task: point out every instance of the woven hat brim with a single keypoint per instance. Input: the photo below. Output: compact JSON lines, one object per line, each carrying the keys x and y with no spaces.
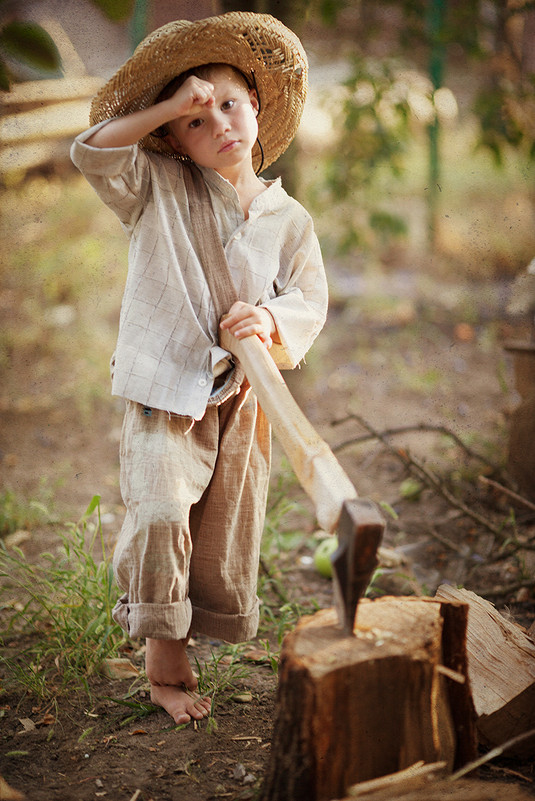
{"x":254,"y":43}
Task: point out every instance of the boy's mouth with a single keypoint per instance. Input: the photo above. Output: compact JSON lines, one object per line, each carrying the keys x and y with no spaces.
{"x":226,"y":146}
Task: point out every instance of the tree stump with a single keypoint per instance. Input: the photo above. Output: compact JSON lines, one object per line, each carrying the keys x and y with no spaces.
{"x":353,"y":708}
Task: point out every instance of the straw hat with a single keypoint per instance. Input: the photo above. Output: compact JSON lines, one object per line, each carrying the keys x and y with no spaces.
{"x":264,"y":49}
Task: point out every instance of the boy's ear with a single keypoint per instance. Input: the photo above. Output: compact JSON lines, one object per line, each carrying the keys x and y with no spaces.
{"x":171,"y":139}
{"x":253,"y":97}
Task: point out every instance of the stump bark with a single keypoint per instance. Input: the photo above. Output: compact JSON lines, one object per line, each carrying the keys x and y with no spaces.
{"x":353,"y":708}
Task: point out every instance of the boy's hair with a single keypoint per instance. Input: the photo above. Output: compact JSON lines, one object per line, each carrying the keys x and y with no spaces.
{"x":204,"y":72}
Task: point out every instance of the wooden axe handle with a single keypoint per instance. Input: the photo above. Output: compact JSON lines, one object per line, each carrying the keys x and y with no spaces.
{"x":315,"y":465}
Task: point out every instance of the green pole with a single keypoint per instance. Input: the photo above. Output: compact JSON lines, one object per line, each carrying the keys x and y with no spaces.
{"x":139,"y":22}
{"x":435,"y":27}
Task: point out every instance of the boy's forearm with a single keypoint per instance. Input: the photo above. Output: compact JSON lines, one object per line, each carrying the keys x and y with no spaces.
{"x":125,"y":131}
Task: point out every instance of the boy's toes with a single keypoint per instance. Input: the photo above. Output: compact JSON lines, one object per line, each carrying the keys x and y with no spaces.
{"x":181,"y":704}
{"x":203,"y":705}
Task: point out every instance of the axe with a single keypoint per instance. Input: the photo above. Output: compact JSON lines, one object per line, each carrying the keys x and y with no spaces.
{"x":357,"y":521}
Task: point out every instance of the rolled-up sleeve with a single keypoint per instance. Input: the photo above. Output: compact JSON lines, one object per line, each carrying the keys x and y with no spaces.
{"x":119,"y":175}
{"x":299,"y":307}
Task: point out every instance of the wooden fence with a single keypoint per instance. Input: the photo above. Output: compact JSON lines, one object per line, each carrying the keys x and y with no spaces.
{"x":40,"y":119}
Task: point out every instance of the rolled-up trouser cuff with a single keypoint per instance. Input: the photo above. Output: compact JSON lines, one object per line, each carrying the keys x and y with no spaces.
{"x":157,"y":621}
{"x":231,"y":628}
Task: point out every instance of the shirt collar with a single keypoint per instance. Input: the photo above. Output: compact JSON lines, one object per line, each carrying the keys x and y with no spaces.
{"x":270,"y":200}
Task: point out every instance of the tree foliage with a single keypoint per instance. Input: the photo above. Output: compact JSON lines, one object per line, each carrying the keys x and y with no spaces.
{"x":395,"y":89}
{"x":497,"y":36}
{"x":27,"y":43}
{"x":116,"y":10}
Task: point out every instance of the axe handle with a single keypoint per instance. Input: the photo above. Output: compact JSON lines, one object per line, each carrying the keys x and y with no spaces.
{"x":315,"y":465}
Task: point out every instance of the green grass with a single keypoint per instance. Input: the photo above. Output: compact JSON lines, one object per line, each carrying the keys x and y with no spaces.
{"x":62,"y":605}
{"x":56,"y":624}
{"x":18,"y":513}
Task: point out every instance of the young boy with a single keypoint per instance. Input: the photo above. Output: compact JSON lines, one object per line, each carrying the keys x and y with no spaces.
{"x":225,"y":93}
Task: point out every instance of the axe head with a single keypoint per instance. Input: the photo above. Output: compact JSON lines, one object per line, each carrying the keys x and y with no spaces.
{"x":360,"y":530}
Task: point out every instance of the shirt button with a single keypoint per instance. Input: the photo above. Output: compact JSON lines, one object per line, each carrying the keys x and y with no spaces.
{"x":202,"y":382}
{"x":238,"y":235}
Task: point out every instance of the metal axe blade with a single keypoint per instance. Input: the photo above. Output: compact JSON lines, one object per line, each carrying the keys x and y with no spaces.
{"x":360,"y":530}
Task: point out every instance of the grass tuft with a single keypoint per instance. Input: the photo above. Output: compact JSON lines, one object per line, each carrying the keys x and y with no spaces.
{"x":63,"y":606}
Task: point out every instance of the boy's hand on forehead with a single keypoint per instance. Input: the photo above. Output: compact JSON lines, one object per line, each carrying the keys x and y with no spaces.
{"x":244,"y":320}
{"x":192,"y":96}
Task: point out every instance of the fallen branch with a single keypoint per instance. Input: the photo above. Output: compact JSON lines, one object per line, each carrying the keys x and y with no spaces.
{"x":513,"y":495}
{"x":527,"y":545}
{"x":495,"y":752}
{"x":508,"y":589}
{"x":418,"y":427}
{"x":462,"y":550}
{"x":431,"y":479}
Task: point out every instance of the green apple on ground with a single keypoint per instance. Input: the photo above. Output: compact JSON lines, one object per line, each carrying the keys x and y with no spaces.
{"x":322,"y":556}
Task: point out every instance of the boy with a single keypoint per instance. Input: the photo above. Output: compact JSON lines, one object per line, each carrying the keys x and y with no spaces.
{"x":225,"y":93}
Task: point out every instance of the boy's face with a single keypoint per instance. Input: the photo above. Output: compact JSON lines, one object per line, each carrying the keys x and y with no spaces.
{"x":223,"y":135}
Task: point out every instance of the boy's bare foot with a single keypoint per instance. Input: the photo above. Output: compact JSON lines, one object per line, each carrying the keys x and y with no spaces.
{"x":182,"y":705}
{"x":173,"y":683}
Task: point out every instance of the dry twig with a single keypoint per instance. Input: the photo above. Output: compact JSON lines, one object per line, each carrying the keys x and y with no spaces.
{"x":506,"y":491}
{"x":507,"y":589}
{"x":495,"y":752}
{"x":414,"y":464}
{"x":418,"y":427}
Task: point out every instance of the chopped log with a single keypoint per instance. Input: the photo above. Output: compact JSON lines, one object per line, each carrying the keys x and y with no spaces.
{"x":353,"y":708}
{"x":445,"y":790}
{"x":501,"y":668}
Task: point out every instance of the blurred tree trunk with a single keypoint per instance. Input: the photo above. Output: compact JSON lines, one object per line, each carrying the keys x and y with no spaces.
{"x":435,"y":26}
{"x":139,"y":22}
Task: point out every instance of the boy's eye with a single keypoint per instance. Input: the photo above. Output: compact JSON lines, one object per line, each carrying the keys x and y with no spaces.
{"x":195,"y":123}
{"x":227,"y":105}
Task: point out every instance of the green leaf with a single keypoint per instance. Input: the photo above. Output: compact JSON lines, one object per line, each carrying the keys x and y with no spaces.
{"x":389,"y":510}
{"x":30,"y":44}
{"x":411,"y":489}
{"x":95,"y":501}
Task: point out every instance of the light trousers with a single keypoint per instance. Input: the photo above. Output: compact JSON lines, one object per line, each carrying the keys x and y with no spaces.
{"x":195,"y":494}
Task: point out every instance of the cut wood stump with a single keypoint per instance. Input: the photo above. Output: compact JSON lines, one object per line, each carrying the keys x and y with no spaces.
{"x":353,"y":708}
{"x":501,"y":669}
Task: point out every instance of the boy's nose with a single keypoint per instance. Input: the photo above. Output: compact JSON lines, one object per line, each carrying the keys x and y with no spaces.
{"x":220,"y":124}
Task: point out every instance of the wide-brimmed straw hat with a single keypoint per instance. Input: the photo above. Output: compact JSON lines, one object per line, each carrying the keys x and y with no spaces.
{"x":266,"y":51}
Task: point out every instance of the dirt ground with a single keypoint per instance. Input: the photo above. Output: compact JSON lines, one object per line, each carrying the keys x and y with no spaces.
{"x":415,"y":360}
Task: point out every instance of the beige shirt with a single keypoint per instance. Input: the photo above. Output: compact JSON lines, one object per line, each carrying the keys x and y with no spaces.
{"x":167,"y":349}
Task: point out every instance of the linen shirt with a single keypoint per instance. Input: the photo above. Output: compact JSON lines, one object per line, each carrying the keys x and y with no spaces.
{"x":167,"y":348}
